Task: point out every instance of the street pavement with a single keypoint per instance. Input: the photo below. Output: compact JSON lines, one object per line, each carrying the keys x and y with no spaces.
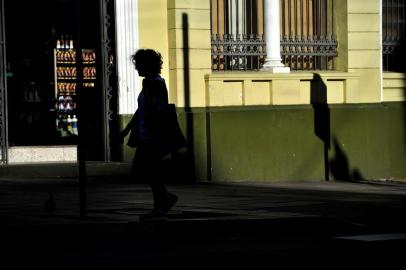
{"x":242,"y":225}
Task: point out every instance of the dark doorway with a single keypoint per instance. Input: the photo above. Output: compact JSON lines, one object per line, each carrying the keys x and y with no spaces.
{"x":41,"y":98}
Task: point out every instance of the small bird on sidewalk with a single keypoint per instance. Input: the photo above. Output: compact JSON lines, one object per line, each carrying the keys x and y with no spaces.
{"x":49,"y":205}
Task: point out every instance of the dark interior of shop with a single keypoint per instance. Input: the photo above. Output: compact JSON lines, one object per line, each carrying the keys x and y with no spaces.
{"x":32,"y":31}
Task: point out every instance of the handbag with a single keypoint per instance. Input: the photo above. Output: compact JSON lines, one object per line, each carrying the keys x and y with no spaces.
{"x":167,"y":134}
{"x":170,"y":137}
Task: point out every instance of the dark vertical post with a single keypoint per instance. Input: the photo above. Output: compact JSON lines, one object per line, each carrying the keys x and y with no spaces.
{"x":289,"y":19}
{"x":400,"y":21}
{"x":332,"y":29}
{"x":290,"y":31}
{"x":230,"y":30}
{"x":283,"y":19}
{"x":296,"y":35}
{"x":3,"y":89}
{"x":218,"y":16}
{"x":186,"y":83}
{"x":403,"y":18}
{"x":384,"y":31}
{"x":237,"y":21}
{"x":81,"y":153}
{"x":391,"y":19}
{"x":105,"y":70}
{"x":308,"y":30}
{"x":386,"y":11}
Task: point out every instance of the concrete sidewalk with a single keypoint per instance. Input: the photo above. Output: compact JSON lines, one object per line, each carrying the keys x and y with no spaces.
{"x":116,"y":200}
{"x":227,"y":226}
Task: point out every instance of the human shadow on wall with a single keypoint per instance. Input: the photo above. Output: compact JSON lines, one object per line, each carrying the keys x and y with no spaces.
{"x":340,"y":167}
{"x":318,"y":99}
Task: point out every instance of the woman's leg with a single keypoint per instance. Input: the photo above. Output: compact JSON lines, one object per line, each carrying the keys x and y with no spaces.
{"x":146,"y":167}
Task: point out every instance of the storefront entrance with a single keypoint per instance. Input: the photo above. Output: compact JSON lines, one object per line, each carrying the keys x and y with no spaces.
{"x":41,"y":82}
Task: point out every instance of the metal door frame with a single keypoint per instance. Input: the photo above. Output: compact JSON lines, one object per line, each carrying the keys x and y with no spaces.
{"x":108,"y":73}
{"x":3,"y":89}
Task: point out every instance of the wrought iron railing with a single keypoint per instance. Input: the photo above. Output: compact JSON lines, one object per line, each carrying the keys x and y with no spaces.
{"x":309,"y":53}
{"x":247,"y":52}
{"x":237,"y":52}
{"x":307,"y":38}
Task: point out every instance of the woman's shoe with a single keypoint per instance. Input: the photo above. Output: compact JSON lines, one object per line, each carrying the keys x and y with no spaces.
{"x":169,"y":201}
{"x":160,"y":212}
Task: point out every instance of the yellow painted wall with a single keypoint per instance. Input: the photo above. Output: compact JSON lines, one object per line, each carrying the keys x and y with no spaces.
{"x":394,"y":86}
{"x":357,"y":27}
{"x":341,"y":32}
{"x":264,"y":88}
{"x":197,"y":31}
{"x":364,"y":47}
{"x":153,"y":30}
{"x":357,"y":79}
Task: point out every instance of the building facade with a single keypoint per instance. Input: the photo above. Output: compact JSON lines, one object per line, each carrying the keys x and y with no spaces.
{"x":339,"y":113}
{"x":266,"y":90}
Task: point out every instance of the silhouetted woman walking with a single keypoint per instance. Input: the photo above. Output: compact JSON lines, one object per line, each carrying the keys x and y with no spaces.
{"x":144,"y":128}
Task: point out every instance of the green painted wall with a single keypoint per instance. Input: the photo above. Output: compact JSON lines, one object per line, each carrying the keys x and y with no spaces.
{"x":396,"y":131}
{"x":273,"y":143}
{"x":278,"y":143}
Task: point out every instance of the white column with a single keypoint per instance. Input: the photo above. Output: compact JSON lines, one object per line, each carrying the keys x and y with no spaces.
{"x":273,"y":60}
{"x":127,"y":42}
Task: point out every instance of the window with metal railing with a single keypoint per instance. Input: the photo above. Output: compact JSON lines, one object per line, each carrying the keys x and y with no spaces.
{"x":237,"y":35}
{"x":307,"y":38}
{"x":393,"y":35}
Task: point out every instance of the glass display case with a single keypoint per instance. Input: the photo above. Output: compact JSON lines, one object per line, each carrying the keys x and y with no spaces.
{"x":66,"y":84}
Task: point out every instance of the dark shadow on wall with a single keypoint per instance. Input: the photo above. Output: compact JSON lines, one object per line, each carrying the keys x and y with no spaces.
{"x":208,"y":146}
{"x":318,"y":99}
{"x":340,"y":168}
{"x":189,"y":162}
{"x":403,"y":121}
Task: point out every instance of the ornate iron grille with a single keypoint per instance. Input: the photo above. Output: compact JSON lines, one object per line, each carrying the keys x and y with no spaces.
{"x":108,"y":76}
{"x":237,"y":52}
{"x":307,"y":38}
{"x":393,"y":34}
{"x":300,"y":53}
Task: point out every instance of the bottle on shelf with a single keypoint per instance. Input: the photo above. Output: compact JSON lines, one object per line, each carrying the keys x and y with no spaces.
{"x":60,"y":106}
{"x":75,"y":125}
{"x":59,"y":125}
{"x":69,"y":125}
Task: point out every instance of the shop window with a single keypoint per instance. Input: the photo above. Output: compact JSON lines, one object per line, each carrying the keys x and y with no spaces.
{"x":42,"y":73}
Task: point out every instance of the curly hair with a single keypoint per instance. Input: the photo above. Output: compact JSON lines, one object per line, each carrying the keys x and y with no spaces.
{"x":150,"y":60}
